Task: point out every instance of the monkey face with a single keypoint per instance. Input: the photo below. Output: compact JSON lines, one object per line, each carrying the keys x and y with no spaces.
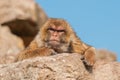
{"x":56,"y":34}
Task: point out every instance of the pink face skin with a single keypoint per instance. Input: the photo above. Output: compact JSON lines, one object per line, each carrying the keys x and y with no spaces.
{"x":56,"y":34}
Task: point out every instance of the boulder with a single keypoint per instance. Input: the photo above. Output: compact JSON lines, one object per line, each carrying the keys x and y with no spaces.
{"x":24,"y":17}
{"x":10,"y":45}
{"x":59,"y":67}
{"x":105,"y":55}
{"x":107,"y":71}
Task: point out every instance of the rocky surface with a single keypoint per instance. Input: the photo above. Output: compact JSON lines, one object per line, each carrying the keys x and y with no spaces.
{"x":24,"y":17}
{"x":107,"y":71}
{"x":105,"y":55}
{"x":10,"y":45}
{"x":59,"y":67}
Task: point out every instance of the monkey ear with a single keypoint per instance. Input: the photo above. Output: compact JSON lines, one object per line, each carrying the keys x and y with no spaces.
{"x":89,"y":56}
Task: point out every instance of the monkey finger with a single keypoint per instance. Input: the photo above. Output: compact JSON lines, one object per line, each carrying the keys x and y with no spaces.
{"x":90,"y":56}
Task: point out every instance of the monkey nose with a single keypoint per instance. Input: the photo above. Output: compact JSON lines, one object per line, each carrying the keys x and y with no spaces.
{"x":55,"y":33}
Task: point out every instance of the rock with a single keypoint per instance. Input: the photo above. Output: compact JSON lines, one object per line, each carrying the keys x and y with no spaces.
{"x":24,"y":17}
{"x":10,"y":45}
{"x":106,"y":66}
{"x":105,"y":55}
{"x":107,"y":71}
{"x":58,"y":67}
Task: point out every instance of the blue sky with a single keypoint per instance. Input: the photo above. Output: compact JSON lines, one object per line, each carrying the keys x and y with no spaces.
{"x":96,"y":22}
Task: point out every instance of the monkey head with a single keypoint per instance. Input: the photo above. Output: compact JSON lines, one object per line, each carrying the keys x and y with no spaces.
{"x":56,"y":33}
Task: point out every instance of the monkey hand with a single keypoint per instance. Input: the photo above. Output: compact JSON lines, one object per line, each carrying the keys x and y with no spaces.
{"x":89,"y":56}
{"x":46,"y":51}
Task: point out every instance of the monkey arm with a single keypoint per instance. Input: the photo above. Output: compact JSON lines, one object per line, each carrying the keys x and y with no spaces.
{"x":78,"y":46}
{"x":87,"y":51}
{"x":33,"y":51}
{"x":27,"y":53}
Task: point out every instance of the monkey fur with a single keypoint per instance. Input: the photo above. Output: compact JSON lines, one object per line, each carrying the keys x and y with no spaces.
{"x":69,"y":43}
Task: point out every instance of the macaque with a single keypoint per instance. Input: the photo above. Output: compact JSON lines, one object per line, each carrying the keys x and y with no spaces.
{"x":55,"y":37}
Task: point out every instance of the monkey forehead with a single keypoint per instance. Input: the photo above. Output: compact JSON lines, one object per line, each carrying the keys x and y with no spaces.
{"x":57,"y":21}
{"x":60,"y":28}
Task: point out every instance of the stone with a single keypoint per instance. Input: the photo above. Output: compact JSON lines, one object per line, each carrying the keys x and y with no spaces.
{"x":24,"y":17}
{"x":10,"y":45}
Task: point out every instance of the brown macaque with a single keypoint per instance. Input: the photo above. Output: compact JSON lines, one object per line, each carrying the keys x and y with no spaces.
{"x":55,"y":37}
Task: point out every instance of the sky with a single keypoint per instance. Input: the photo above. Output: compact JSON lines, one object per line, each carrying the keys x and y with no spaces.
{"x":96,"y":22}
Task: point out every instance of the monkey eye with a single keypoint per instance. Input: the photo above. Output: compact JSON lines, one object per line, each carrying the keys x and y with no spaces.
{"x":60,"y":30}
{"x":51,"y":29}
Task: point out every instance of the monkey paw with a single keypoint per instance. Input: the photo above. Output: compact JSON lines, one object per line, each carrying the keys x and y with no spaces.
{"x":53,"y":52}
{"x":89,"y":56}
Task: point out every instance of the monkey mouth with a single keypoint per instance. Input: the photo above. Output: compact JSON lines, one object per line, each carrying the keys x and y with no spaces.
{"x":54,"y":42}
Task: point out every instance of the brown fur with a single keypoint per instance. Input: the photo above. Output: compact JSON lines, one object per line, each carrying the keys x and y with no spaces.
{"x":72,"y":44}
